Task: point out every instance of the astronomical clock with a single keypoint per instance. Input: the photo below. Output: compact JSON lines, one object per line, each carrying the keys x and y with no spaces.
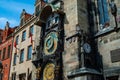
{"x":52,"y":43}
{"x":48,"y":73}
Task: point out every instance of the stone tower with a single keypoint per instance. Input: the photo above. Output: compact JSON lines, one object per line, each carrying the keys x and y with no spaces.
{"x":79,"y":56}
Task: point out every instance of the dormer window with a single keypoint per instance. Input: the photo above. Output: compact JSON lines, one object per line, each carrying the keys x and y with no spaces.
{"x":22,"y":17}
{"x":103,"y":13}
{"x":37,"y":10}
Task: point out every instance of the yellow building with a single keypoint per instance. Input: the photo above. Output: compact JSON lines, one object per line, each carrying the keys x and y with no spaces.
{"x":26,"y":38}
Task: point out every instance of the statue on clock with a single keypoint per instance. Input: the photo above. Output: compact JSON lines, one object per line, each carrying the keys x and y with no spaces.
{"x":113,"y":11}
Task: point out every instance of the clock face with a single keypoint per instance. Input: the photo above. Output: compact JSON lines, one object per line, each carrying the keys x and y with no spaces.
{"x":50,"y":44}
{"x":49,"y":72}
{"x":87,"y":48}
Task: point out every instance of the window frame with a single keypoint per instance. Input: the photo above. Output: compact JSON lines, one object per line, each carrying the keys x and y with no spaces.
{"x":14,"y":76}
{"x":15,"y":59}
{"x":37,"y":10}
{"x":31,"y":27}
{"x":22,"y":55}
{"x":24,"y":35}
{"x":103,"y":13}
{"x":3,"y":54}
{"x":29,"y":58}
{"x":17,"y":40}
{"x":9,"y":51}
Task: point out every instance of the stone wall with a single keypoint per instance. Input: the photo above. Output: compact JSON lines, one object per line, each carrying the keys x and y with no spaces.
{"x":75,"y":13}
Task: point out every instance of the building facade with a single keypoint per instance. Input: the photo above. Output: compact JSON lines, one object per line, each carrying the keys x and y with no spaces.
{"x":64,"y":40}
{"x":26,"y":36}
{"x":67,"y":50}
{"x":108,"y":42}
{"x":6,"y":51}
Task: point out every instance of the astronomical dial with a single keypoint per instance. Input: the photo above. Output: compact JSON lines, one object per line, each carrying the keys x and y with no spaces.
{"x":50,"y":44}
{"x":49,"y":72}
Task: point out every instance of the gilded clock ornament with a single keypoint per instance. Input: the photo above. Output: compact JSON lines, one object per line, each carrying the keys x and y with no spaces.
{"x":50,"y":44}
{"x":49,"y":72}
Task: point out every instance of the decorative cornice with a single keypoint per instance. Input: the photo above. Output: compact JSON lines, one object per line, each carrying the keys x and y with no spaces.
{"x":26,"y":23}
{"x":106,"y":31}
{"x":83,"y":71}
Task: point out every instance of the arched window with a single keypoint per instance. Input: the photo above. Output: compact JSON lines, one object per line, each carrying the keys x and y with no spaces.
{"x":103,"y":12}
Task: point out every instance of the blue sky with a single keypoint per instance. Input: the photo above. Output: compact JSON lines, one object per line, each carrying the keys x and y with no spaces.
{"x":10,"y":11}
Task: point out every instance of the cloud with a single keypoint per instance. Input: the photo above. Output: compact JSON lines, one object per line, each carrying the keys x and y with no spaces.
{"x":3,"y":21}
{"x":16,"y":6}
{"x":11,"y":9}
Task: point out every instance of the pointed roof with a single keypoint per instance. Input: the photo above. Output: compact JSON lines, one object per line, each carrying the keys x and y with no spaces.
{"x":7,"y":26}
{"x":25,"y":14}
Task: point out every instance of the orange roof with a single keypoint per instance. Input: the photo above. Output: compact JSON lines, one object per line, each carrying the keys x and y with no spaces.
{"x":27,"y":16}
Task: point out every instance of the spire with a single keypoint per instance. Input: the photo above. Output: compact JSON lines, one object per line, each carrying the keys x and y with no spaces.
{"x":23,"y":12}
{"x":7,"y":25}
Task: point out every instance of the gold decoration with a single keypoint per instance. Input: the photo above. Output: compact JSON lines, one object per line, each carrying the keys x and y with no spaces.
{"x":49,"y":72}
{"x":38,"y":70}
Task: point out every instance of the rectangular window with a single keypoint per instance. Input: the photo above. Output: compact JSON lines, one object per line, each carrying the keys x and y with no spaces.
{"x":23,"y":35}
{"x":31,"y":30}
{"x":103,"y":12}
{"x":29,"y":55}
{"x":115,"y":55}
{"x":3,"y":55}
{"x":22,"y":56}
{"x":9,"y":51}
{"x":14,"y":76}
{"x":15,"y":59}
{"x":17,"y":38}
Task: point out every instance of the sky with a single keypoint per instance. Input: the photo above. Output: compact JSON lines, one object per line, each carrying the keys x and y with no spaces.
{"x":10,"y":11}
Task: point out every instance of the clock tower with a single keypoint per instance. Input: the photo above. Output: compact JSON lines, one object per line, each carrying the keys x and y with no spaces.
{"x":67,"y":48}
{"x":50,"y":65}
